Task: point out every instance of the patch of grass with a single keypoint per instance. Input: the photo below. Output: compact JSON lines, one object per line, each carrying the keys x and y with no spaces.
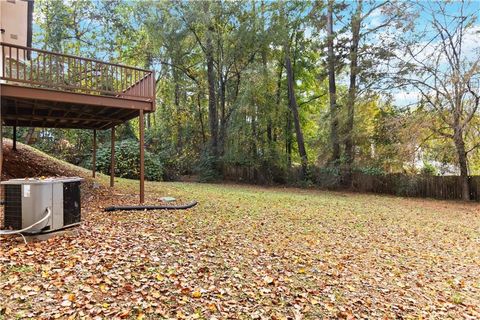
{"x":457,"y":298}
{"x":339,"y":296}
{"x":360,"y":226}
{"x":21,"y":269}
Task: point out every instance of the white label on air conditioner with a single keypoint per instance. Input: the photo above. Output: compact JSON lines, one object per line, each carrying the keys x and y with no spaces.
{"x":26,"y":191}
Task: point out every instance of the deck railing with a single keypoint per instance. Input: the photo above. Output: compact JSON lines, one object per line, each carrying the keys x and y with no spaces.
{"x":39,"y":68}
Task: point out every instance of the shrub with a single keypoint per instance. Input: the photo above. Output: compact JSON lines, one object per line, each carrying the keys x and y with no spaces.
{"x":429,"y":169}
{"x":207,"y":167}
{"x":326,"y":177}
{"x":127,"y":161}
{"x":373,"y":171}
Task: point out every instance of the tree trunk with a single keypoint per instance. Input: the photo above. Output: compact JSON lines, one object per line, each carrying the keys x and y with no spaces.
{"x":288,"y":138}
{"x":268,"y":105}
{"x":292,"y":102}
{"x":212,"y":101}
{"x":30,"y":135}
{"x":352,"y":95}
{"x":200,"y":117}
{"x":179,"y":146}
{"x":269,"y":131}
{"x":278,"y":94}
{"x":332,"y":88}
{"x":254,"y":131}
{"x":223,"y":120}
{"x":462,"y":162}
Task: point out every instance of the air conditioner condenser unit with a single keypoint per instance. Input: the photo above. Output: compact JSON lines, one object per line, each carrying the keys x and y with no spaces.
{"x":28,"y":200}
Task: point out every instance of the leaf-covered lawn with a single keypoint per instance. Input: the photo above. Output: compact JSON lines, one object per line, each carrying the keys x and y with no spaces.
{"x":252,"y":253}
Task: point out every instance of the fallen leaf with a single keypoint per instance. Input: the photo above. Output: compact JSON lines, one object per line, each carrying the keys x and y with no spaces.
{"x":268,"y":280}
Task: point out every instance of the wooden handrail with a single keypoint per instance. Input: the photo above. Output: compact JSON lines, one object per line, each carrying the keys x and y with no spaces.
{"x":71,"y":56}
{"x":41,"y":68}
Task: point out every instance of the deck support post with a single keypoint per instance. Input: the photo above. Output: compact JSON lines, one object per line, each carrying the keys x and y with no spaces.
{"x":141,"y":128}
{"x":1,"y":150}
{"x":112,"y":158}
{"x":94,"y":153}
{"x":14,"y":138}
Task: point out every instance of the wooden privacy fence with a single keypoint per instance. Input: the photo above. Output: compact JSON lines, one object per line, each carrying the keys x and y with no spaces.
{"x":51,"y":70}
{"x":422,"y":186}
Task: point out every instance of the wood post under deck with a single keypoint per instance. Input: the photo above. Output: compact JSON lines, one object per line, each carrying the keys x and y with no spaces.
{"x":112,"y":158}
{"x":14,"y":138}
{"x":94,"y":155}
{"x":1,"y":148}
{"x":141,"y":128}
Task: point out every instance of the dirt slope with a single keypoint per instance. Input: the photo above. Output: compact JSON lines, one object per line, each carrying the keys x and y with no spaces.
{"x":29,"y":162}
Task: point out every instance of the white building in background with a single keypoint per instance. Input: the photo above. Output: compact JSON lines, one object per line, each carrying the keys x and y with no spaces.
{"x":15,"y":26}
{"x":16,"y":22}
{"x":444,"y":169}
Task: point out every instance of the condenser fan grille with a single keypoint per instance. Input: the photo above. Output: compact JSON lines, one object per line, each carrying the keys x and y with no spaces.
{"x":13,"y":207}
{"x":71,"y":202}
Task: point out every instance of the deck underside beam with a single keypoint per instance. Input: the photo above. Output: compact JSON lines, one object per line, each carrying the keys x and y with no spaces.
{"x":45,"y":108}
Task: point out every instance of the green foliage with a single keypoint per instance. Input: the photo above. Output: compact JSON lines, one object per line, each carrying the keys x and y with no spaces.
{"x":207,"y":167}
{"x":80,"y":27}
{"x":334,"y":170}
{"x":374,"y":171}
{"x":429,"y":169}
{"x":127,"y":161}
{"x":73,"y":146}
{"x":457,"y":298}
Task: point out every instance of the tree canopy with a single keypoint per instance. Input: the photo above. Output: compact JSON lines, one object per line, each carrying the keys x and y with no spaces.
{"x":288,"y":85}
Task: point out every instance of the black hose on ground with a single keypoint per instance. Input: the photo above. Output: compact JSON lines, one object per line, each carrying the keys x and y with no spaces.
{"x":163,"y":207}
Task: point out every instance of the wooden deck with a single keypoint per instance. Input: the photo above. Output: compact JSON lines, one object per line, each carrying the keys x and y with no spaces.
{"x":45,"y":89}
